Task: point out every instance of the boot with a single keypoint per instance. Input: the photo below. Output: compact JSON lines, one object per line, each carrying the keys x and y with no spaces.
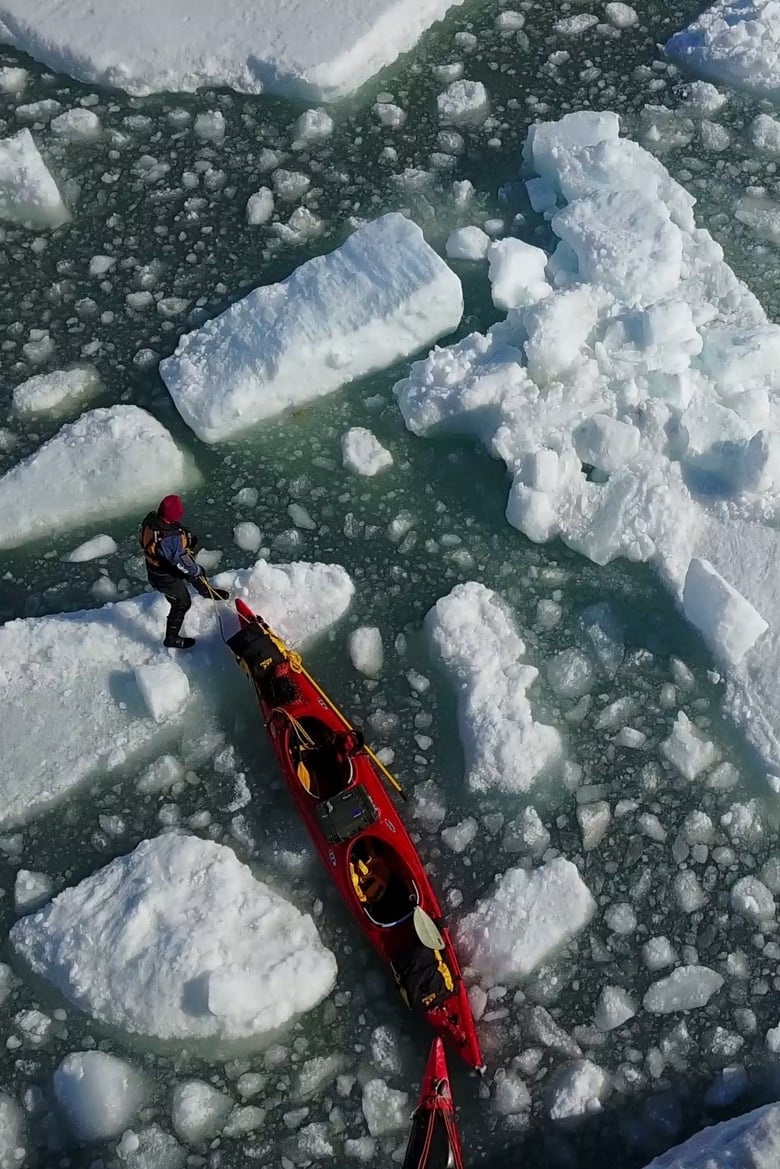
{"x":177,"y":642}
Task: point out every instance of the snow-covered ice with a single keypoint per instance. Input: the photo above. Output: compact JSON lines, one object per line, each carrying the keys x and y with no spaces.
{"x":685,"y":989}
{"x":365,"y":650}
{"x":177,"y":940}
{"x":198,"y":1111}
{"x":687,"y":750}
{"x":362,"y":452}
{"x":164,"y":688}
{"x":28,"y":192}
{"x":108,"y":462}
{"x":386,"y":1109}
{"x":576,"y":1090}
{"x":473,"y":635}
{"x":463,"y":103}
{"x":467,"y":243}
{"x":729,"y":624}
{"x":735,"y":42}
{"x":92,"y":549}
{"x":751,"y":898}
{"x":321,"y":51}
{"x":751,"y":1141}
{"x":31,"y":890}
{"x":524,"y":919}
{"x":70,"y":677}
{"x":13,"y":1141}
{"x":57,"y":392}
{"x":379,"y":297}
{"x":77,"y":125}
{"x":260,"y":207}
{"x":635,"y":406}
{"x":615,"y":1007}
{"x":97,"y":1093}
{"x":517,"y":273}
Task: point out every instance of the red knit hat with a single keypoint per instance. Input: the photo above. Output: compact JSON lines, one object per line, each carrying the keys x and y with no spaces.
{"x":171,"y":509}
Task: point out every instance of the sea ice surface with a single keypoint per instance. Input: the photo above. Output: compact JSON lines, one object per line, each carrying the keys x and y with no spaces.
{"x":97,"y":1093}
{"x":177,"y":940}
{"x":735,"y":42}
{"x":70,"y":677}
{"x":324,"y":50}
{"x":108,"y":462}
{"x":473,"y":635}
{"x":381,"y":296}
{"x":28,"y":192}
{"x":751,"y":1141}
{"x":524,"y":919}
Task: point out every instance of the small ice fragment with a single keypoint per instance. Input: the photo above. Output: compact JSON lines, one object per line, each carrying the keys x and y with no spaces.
{"x":687,"y":750}
{"x":620,"y":15}
{"x":210,"y":126}
{"x":198,"y":1111}
{"x":615,"y":1007}
{"x":467,"y":243}
{"x":365,"y":650}
{"x":93,"y":549}
{"x":260,"y":207}
{"x":728,"y":622}
{"x":753,"y":900}
{"x":314,"y":126}
{"x":621,"y":918}
{"x":594,"y":820}
{"x":97,"y":1093}
{"x":576,"y":1090}
{"x":248,"y":536}
{"x":460,"y":836}
{"x":31,"y":890}
{"x":362,"y":452}
{"x":164,"y":688}
{"x":570,"y":673}
{"x":385,"y":1109}
{"x":463,"y":103}
{"x":685,"y":989}
{"x":77,"y":126}
{"x":658,"y":952}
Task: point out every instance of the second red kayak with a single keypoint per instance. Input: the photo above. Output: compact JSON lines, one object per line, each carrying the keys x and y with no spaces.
{"x":335,"y":781}
{"x":434,"y":1142}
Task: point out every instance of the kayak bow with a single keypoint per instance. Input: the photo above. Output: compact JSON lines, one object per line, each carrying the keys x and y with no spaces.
{"x":434,"y":1142}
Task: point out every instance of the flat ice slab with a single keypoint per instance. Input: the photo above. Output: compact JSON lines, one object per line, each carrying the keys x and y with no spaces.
{"x":743,"y":1142}
{"x":381,"y":296}
{"x":28,"y":193}
{"x":636,"y":405}
{"x":178,"y":941}
{"x":70,"y":679}
{"x":686,"y":989}
{"x":525,"y":919}
{"x":320,"y":49}
{"x":56,"y":392}
{"x":736,"y":42}
{"x":473,"y":635}
{"x":106,"y":463}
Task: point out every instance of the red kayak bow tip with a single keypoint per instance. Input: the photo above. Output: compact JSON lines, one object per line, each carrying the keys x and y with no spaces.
{"x":434,"y":1142}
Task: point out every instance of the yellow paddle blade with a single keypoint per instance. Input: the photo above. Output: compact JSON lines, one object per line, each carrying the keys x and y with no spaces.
{"x":302,"y":772}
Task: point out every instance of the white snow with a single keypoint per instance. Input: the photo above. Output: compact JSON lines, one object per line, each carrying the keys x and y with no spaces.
{"x":685,"y":989}
{"x":525,"y":919}
{"x":362,"y":453}
{"x":386,"y":1110}
{"x":164,"y":688}
{"x":751,"y":1141}
{"x":365,"y":650}
{"x":686,"y":750}
{"x":28,"y":192}
{"x":736,"y":42}
{"x":57,"y":392}
{"x":321,"y":51}
{"x":729,"y":624}
{"x":77,"y":125}
{"x":198,"y":1111}
{"x":576,"y":1090}
{"x":107,"y":463}
{"x":474,"y":637}
{"x":379,"y":297}
{"x":636,"y":405}
{"x":516,"y":271}
{"x":463,"y":103}
{"x":70,"y":678}
{"x":467,"y":243}
{"x":191,"y":946}
{"x":260,"y":207}
{"x":97,"y":1093}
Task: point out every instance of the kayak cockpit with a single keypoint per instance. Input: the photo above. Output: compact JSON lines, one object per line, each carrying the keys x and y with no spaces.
{"x":320,"y":756}
{"x":429,"y":1144}
{"x":383,"y":887}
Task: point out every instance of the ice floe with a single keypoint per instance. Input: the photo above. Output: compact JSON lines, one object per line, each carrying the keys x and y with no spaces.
{"x":97,"y":1093}
{"x":685,"y":989}
{"x":744,"y":1141}
{"x":520,"y":923}
{"x":108,"y":462}
{"x":57,"y":392}
{"x":71,"y":678}
{"x":736,"y":42}
{"x":191,"y":945}
{"x":28,"y":193}
{"x":321,"y":51}
{"x":635,"y":404}
{"x":362,"y":452}
{"x":198,"y":1111}
{"x":473,"y":635}
{"x":382,"y":295}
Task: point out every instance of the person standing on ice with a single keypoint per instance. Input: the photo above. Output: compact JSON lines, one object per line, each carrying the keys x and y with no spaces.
{"x":169,"y":549}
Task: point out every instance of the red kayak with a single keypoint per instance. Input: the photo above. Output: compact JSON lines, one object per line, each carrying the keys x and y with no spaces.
{"x":335,"y":780}
{"x":434,"y":1142}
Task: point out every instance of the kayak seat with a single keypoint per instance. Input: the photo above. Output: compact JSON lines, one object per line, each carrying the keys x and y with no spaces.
{"x":322,"y":758}
{"x":396,"y":903}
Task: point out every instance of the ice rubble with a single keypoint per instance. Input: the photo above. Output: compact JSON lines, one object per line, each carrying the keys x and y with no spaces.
{"x":70,"y":678}
{"x":28,"y":193}
{"x":322,"y":50}
{"x":108,"y":462}
{"x":382,"y":295}
{"x":191,"y":946}
{"x":520,"y":923}
{"x":474,"y":637}
{"x":751,"y":1141}
{"x":736,"y":42}
{"x":634,"y":403}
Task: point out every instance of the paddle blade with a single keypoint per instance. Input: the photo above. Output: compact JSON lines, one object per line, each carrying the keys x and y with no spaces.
{"x":304,"y":776}
{"x":426,"y":929}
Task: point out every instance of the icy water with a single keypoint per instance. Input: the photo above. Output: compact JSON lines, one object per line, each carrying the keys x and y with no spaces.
{"x":170,"y":208}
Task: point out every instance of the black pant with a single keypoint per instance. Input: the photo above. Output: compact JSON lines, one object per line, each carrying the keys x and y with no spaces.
{"x":174,"y":589}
